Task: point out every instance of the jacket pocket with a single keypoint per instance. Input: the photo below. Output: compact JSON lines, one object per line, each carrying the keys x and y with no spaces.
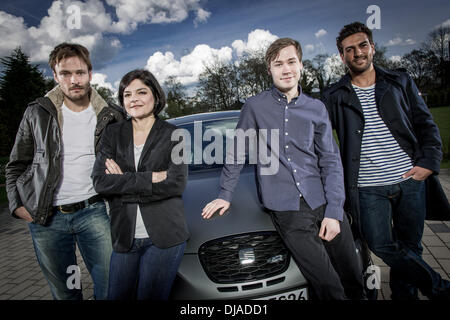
{"x":26,"y":175}
{"x":39,"y":156}
{"x":29,"y":190}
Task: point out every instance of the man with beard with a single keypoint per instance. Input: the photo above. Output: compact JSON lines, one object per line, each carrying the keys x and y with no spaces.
{"x":389,"y":145}
{"x":48,"y":176}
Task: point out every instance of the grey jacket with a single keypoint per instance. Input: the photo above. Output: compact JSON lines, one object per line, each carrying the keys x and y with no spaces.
{"x":33,"y":170}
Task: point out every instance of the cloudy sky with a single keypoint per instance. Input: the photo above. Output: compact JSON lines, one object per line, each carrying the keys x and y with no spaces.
{"x":179,"y":37}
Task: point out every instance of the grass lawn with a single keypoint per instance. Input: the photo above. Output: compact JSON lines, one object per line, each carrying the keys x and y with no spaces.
{"x":441,"y":116}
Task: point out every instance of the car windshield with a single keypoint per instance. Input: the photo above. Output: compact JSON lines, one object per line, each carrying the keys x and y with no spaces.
{"x":213,"y":142}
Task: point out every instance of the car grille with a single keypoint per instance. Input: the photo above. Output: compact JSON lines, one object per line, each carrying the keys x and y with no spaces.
{"x":245,"y":257}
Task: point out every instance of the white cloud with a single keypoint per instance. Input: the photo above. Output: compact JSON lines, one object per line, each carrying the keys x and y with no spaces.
{"x":202,"y":16}
{"x":12,"y":32}
{"x":188,"y":68}
{"x":257,"y":40}
{"x":398,"y":41}
{"x":320,"y":33}
{"x":100,"y":80}
{"x":394,"y":42}
{"x":133,"y":12}
{"x":96,"y":28}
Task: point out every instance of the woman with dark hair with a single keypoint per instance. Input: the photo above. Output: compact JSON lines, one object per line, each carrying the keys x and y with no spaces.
{"x":135,"y":172}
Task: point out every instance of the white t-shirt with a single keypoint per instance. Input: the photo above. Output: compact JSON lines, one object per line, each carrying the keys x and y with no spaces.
{"x":140,"y":231}
{"x":78,"y":156}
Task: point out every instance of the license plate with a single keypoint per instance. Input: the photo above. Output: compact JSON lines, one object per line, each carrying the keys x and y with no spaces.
{"x":297,"y":294}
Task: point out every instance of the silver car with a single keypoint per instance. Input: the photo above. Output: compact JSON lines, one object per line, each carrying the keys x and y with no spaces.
{"x":238,"y":255}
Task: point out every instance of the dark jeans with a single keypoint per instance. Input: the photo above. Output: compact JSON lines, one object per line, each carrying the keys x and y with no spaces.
{"x":392,"y":220}
{"x":54,"y":245}
{"x":146,"y":272}
{"x":332,"y":268}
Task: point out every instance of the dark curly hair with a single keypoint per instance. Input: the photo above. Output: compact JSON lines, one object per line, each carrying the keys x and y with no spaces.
{"x":350,"y":29}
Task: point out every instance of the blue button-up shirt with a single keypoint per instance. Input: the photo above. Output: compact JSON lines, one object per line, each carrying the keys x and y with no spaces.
{"x":309,"y":160}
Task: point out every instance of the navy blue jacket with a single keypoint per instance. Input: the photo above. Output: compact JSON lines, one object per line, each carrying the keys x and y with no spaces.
{"x":405,"y":113}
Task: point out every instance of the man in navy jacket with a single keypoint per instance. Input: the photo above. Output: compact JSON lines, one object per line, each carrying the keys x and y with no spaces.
{"x":389,"y":145}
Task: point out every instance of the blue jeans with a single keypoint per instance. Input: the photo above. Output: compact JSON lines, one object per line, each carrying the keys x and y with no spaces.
{"x":392,"y":221}
{"x":146,"y":272}
{"x":54,"y":245}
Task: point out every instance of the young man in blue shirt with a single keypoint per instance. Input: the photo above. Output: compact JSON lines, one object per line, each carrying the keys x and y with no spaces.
{"x":306,"y":194}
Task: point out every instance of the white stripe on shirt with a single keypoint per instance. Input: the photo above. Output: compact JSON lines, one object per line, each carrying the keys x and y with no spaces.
{"x":382,"y":161}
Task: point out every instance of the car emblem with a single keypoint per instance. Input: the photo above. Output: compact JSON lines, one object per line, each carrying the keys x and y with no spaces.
{"x":247,"y":256}
{"x":275,"y":259}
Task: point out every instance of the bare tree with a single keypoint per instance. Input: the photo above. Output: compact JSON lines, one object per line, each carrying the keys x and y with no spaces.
{"x":217,"y":86}
{"x":254,"y":74}
{"x":437,"y":43}
{"x":419,"y":64}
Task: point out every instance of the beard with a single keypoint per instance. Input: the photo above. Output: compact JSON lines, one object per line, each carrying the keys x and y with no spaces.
{"x":76,"y":97}
{"x":360,"y":68}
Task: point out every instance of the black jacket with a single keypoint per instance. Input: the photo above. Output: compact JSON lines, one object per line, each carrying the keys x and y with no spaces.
{"x":161,"y":203}
{"x":405,"y":113}
{"x":33,"y":170}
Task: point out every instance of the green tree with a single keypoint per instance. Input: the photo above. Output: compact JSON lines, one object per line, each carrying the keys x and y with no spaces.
{"x":217,"y":86}
{"x":20,"y":83}
{"x":105,"y":93}
{"x":177,"y":103}
{"x":254,"y":76}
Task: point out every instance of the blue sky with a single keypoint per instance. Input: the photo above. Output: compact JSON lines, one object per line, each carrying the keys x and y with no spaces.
{"x":124,"y":35}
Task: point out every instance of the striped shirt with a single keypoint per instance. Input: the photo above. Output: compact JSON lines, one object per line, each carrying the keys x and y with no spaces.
{"x":383,"y":162}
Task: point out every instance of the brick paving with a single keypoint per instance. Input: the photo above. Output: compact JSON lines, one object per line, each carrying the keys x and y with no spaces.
{"x":436,"y":246}
{"x":21,"y":277}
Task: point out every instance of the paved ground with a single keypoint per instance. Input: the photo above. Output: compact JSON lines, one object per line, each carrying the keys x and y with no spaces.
{"x":21,"y":278}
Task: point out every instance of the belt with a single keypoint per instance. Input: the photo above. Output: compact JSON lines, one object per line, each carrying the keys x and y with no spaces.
{"x":74,"y":207}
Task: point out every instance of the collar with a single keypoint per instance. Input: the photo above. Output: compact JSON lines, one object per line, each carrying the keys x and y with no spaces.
{"x":381,"y":75}
{"x":279,"y":96}
{"x":57,"y":97}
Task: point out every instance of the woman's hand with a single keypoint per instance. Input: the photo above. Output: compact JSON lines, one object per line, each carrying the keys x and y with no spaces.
{"x":159,"y":176}
{"x":112,"y":167}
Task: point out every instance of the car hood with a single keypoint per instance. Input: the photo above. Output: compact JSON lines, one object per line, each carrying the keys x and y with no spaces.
{"x":246,"y":214}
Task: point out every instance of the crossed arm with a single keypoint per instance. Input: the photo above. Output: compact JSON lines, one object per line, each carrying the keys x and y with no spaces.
{"x":110,"y":180}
